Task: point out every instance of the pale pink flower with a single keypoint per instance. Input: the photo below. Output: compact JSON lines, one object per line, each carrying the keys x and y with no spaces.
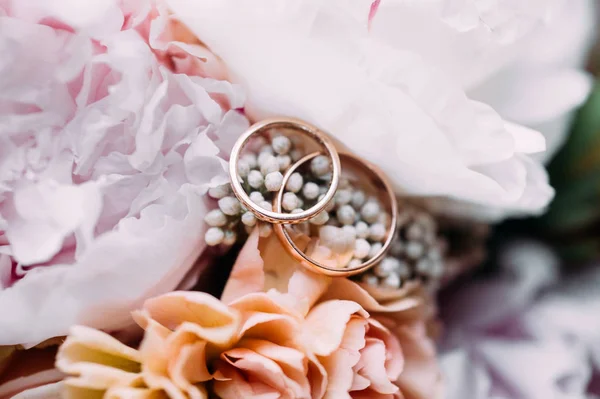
{"x":112,"y":131}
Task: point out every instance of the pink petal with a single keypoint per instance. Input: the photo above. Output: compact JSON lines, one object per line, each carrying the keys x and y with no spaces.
{"x":372,"y":366}
{"x":325,"y":325}
{"x":247,"y":274}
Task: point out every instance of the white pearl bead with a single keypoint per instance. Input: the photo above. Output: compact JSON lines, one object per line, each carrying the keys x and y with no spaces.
{"x":391,"y":281}
{"x":294,"y":183}
{"x":335,"y":239}
{"x":243,"y":168}
{"x":230,"y":238}
{"x":377,"y":232}
{"x":343,"y":197}
{"x":249,"y":219}
{"x":264,"y":229}
{"x":414,"y":249}
{"x":215,"y":218}
{"x":250,"y":159}
{"x":273,"y":181}
{"x":414,"y":232}
{"x":350,"y":230}
{"x":362,"y":229}
{"x":255,"y":179}
{"x":266,"y":205}
{"x":320,"y":165}
{"x":230,"y":206}
{"x":219,"y":191}
{"x":370,"y":279}
{"x":266,"y":149}
{"x":284,"y":162}
{"x":387,"y":265}
{"x":345,"y":214}
{"x":320,"y":218}
{"x":289,"y":202}
{"x":358,"y":199}
{"x":354,"y":263}
{"x":281,"y":144}
{"x":375,"y":248}
{"x":269,"y":165}
{"x":256,"y":197}
{"x":310,"y":191}
{"x":361,"y":248}
{"x":296,"y":154}
{"x":214,"y":236}
{"x":262,"y":157}
{"x":370,"y":212}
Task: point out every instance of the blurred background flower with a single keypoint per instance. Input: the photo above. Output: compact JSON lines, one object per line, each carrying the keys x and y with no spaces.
{"x":111,"y":133}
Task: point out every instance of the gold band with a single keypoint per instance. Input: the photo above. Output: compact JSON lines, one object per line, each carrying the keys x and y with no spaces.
{"x":315,"y":266}
{"x":278,"y":216}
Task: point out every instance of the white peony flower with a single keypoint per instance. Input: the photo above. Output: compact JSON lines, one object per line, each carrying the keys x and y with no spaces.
{"x":390,"y":80}
{"x":106,"y":152}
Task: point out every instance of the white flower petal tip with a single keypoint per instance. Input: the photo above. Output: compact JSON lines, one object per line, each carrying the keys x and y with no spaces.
{"x":391,"y":97}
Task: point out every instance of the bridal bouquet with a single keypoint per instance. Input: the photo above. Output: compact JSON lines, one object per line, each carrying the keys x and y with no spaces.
{"x":234,"y":199}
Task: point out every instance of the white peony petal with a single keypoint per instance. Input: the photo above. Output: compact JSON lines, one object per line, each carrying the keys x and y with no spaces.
{"x":325,"y":67}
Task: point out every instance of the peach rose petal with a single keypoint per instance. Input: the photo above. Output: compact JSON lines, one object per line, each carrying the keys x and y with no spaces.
{"x":420,"y":378}
{"x":260,"y":368}
{"x":372,"y":366}
{"x":156,"y":356}
{"x":339,"y":366}
{"x":247,"y":275}
{"x":202,"y":313}
{"x":232,"y":385}
{"x":342,"y":288}
{"x":325,"y":325}
{"x":189,"y":367}
{"x":394,"y":361}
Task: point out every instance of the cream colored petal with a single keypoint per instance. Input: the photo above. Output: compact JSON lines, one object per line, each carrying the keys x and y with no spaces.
{"x":324,"y":327}
{"x":134,"y":393}
{"x":211,"y":318}
{"x":87,"y":345}
{"x":74,"y":388}
{"x":99,"y":359}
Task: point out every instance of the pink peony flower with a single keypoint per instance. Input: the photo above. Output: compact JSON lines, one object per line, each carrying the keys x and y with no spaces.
{"x":111,"y":133}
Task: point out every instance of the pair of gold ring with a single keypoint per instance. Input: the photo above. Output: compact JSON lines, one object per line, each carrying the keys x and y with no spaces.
{"x":280,"y":219}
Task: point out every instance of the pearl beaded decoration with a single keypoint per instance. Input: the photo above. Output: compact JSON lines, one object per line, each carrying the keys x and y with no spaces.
{"x":415,"y":254}
{"x":262,"y":174}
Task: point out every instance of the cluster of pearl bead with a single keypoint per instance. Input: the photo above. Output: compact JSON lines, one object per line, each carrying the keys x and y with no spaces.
{"x":415,"y":254}
{"x":352,"y":222}
{"x":261,"y":169}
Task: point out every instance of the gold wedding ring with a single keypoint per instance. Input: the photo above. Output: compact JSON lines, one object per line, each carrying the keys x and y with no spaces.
{"x":379,"y":180}
{"x":305,"y":128}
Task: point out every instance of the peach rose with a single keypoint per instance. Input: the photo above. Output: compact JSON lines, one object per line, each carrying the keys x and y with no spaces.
{"x":279,"y":332}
